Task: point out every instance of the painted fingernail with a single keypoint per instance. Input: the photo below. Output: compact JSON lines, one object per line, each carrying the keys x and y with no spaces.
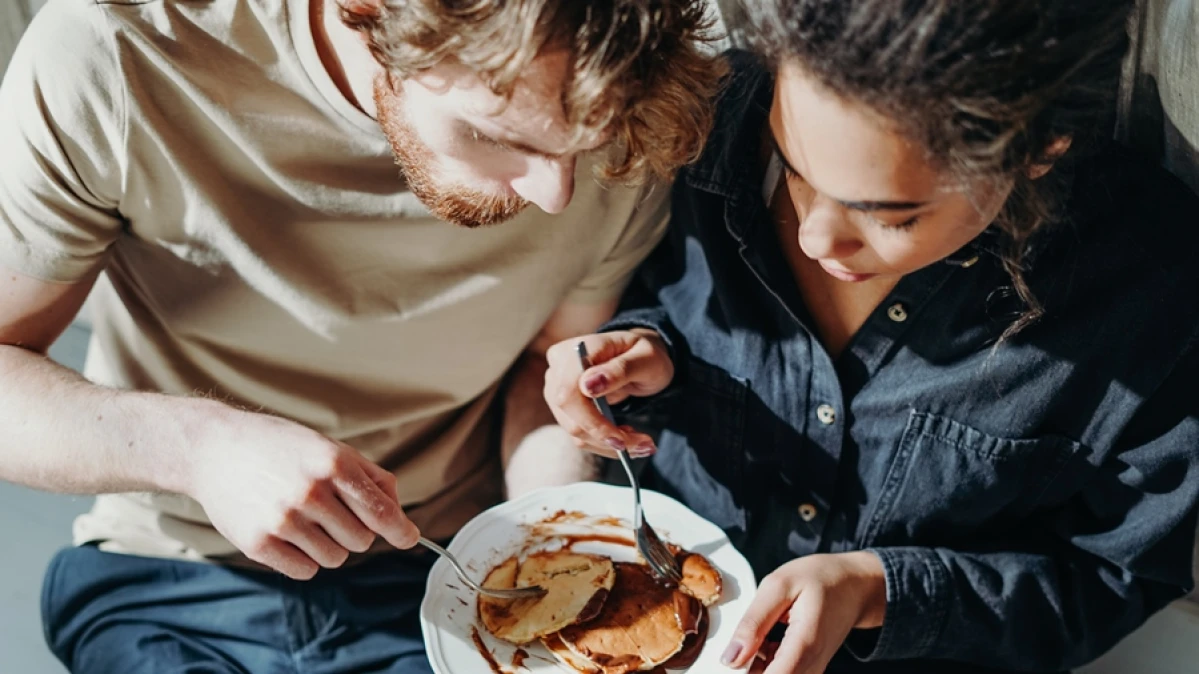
{"x":642,"y":451}
{"x":615,"y":443}
{"x":595,"y":384}
{"x":730,"y":654}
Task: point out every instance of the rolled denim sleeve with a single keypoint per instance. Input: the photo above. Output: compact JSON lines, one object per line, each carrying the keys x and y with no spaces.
{"x":1068,"y":584}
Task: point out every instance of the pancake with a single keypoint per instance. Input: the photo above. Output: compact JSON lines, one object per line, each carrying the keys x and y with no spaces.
{"x":700,"y":579}
{"x":576,"y":663}
{"x":642,"y":625}
{"x":576,"y":587}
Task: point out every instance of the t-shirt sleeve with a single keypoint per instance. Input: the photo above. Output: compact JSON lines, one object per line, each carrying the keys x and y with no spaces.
{"x":645,"y":227}
{"x":61,"y":145}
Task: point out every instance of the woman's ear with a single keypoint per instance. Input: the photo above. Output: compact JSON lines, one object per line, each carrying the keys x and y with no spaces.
{"x":1053,"y":152}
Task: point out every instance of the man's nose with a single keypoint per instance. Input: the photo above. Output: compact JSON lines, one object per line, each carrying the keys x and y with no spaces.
{"x":548,"y":183}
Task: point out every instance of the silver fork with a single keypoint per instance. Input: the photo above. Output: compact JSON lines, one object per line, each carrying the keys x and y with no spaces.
{"x":659,"y":558}
{"x":520,"y":593}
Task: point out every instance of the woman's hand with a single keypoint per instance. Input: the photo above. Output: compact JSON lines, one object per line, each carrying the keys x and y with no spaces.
{"x":627,"y":363}
{"x":821,"y":598}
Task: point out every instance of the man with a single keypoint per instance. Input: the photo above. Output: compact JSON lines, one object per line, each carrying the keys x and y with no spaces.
{"x":296,"y":359}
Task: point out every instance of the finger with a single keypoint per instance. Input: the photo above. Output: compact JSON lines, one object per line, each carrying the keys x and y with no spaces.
{"x":763,"y":658}
{"x":806,"y":647}
{"x":581,"y":439}
{"x":601,"y":348}
{"x":799,"y":654}
{"x":578,"y":415}
{"x":284,"y":558}
{"x":771,"y":601}
{"x":640,"y":444}
{"x":339,"y":523}
{"x":640,"y":370}
{"x":312,"y":540}
{"x":369,"y":492}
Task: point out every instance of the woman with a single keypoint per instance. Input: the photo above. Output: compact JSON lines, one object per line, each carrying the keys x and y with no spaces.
{"x":921,"y":342}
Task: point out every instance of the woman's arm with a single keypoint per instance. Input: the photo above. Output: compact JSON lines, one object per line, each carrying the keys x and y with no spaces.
{"x":1067,"y":586}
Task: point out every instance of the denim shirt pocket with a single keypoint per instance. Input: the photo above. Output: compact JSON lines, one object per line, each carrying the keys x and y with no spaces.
{"x":948,"y":481}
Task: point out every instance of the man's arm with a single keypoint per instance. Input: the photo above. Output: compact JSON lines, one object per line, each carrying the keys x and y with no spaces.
{"x":283,"y":494}
{"x":63,"y":433}
{"x":537,"y":452}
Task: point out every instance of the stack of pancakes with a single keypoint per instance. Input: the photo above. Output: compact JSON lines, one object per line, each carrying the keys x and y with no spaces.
{"x":604,"y":617}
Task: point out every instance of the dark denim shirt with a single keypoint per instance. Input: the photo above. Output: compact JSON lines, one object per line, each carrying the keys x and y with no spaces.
{"x":1031,"y":502}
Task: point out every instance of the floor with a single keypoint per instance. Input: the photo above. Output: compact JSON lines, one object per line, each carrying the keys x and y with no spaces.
{"x":41,"y":524}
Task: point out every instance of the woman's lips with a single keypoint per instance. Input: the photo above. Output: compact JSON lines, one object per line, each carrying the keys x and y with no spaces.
{"x":842,"y":275}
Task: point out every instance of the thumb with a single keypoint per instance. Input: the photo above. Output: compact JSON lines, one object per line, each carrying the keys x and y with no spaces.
{"x":770,"y":603}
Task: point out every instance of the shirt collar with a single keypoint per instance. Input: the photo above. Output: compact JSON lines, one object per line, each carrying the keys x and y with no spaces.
{"x":730,"y":162}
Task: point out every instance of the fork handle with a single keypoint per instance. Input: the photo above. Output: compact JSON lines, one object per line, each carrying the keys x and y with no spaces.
{"x":601,"y":404}
{"x":458,"y":570}
{"x":628,"y":469}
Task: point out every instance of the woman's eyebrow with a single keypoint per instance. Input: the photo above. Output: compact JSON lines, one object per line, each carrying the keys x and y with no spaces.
{"x":852,"y":204}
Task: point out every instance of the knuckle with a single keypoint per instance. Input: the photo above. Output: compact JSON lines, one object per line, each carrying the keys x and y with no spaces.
{"x":361,"y":542}
{"x":387,"y":482}
{"x":260,"y":550}
{"x":771,"y":584}
{"x":618,"y":369}
{"x":310,"y":494}
{"x":290,"y":520}
{"x":577,"y":432}
{"x":560,"y":395}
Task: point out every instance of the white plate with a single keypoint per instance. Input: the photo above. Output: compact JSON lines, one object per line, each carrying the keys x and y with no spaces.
{"x":448,"y":612}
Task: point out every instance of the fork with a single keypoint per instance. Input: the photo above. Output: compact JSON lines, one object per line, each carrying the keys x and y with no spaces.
{"x":659,"y":558}
{"x":519,"y":593}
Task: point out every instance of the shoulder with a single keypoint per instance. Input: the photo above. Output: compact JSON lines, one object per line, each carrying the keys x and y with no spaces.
{"x":69,"y":40}
{"x":1119,"y":279}
{"x":1133,"y":225}
{"x":64,"y":90}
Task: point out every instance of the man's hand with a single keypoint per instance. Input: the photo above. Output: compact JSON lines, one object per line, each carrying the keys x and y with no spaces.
{"x":821,"y":598}
{"x":289,"y":497}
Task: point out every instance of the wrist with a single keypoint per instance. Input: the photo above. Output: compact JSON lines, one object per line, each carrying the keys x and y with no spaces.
{"x":196,"y":427}
{"x":870,"y":580}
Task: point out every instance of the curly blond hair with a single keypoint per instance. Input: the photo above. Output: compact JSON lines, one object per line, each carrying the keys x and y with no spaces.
{"x":637,"y":68}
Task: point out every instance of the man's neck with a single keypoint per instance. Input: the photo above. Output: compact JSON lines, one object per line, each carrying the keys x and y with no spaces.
{"x":344,"y":54}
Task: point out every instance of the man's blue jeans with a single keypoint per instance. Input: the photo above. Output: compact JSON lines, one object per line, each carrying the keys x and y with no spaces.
{"x":118,"y":614}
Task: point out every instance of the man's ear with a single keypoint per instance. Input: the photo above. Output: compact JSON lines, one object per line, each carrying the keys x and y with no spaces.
{"x":1053,"y":152}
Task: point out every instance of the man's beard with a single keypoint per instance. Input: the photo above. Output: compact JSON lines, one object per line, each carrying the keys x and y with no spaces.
{"x":453,"y":203}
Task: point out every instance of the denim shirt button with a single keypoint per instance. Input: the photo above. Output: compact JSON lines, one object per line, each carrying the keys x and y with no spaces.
{"x":897,"y":312}
{"x":807,"y":512}
{"x":826,"y":414}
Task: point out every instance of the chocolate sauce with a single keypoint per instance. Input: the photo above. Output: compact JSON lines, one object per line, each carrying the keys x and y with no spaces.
{"x":593,"y":607}
{"x":483,"y":650}
{"x":598,"y":538}
{"x":518,"y":658}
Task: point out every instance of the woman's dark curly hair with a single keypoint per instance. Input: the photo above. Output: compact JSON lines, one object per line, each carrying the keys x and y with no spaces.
{"x":985,"y":86}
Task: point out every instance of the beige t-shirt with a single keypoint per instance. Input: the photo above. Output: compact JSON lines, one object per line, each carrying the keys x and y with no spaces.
{"x":260,"y":247}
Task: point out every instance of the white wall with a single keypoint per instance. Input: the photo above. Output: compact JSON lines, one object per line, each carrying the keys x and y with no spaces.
{"x":14,"y":16}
